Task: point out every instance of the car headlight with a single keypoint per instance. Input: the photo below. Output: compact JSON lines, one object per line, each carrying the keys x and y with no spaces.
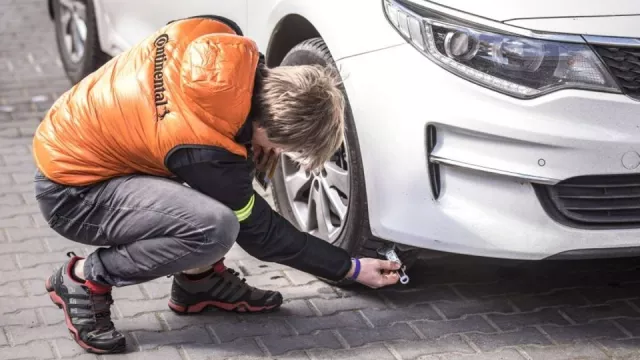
{"x":517,"y":65}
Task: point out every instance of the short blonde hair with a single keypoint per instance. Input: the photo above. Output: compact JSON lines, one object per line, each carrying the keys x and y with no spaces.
{"x":302,"y":108}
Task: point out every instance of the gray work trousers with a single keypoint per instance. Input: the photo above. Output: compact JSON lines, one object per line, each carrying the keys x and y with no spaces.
{"x":146,"y":227}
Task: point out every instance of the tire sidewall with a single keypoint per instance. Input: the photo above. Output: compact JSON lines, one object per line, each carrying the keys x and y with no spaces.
{"x":356,"y":228}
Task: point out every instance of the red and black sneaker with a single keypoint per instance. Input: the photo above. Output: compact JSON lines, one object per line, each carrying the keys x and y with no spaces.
{"x":86,"y":308}
{"x":222,"y":288}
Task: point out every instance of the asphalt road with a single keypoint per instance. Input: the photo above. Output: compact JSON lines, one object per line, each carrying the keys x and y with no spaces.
{"x":462,"y":308}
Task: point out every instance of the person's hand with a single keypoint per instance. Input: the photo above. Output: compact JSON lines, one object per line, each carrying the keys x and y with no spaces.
{"x":265,"y":158}
{"x":376,"y":273}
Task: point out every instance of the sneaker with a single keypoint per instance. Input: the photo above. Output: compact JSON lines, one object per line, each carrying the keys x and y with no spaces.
{"x":222,"y":288}
{"x":86,"y":310}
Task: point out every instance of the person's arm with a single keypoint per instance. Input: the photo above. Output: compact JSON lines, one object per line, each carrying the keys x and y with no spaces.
{"x":264,"y":233}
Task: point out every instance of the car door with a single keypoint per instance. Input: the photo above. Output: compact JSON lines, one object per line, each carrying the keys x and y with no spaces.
{"x":131,"y":21}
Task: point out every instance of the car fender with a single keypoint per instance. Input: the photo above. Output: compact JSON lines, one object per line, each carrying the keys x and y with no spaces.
{"x":348,"y":28}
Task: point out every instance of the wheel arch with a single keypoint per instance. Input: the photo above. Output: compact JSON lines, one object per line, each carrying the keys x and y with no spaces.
{"x":293,"y":21}
{"x":50,"y":8}
{"x":288,"y":32}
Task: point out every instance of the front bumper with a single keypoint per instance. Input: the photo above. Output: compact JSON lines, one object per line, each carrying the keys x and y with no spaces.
{"x":491,"y":148}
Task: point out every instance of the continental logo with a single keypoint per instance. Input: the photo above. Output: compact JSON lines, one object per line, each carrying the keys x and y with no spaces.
{"x":158,"y":77}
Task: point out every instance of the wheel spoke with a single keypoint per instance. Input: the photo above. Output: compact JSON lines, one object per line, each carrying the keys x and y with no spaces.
{"x":297,"y":184}
{"x":335,"y":201}
{"x":322,"y":212}
{"x":67,"y":4}
{"x":337,"y":177}
{"x":81,"y":29}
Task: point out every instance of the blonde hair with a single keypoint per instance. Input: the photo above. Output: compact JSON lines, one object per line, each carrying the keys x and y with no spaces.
{"x":302,"y":108}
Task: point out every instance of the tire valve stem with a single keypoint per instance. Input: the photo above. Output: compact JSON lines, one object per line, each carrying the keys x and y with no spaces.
{"x":391,"y":255}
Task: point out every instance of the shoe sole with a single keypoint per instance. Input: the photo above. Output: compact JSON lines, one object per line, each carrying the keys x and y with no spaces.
{"x":57,"y":300}
{"x":239,"y":307}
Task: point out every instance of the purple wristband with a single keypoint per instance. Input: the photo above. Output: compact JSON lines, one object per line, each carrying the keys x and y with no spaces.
{"x":356,"y":272}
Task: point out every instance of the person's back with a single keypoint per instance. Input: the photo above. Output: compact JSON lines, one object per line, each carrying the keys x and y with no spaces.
{"x":189,"y":83}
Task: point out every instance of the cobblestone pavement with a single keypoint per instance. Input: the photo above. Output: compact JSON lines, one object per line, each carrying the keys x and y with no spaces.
{"x":461,"y":308}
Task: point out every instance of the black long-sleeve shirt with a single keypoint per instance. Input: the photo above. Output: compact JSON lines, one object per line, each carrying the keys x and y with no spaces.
{"x":264,"y":233}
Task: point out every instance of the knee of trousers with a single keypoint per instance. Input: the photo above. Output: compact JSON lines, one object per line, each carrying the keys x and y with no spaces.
{"x":221,"y":228}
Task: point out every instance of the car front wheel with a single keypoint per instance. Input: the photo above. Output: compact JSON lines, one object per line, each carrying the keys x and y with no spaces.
{"x":330,"y":203}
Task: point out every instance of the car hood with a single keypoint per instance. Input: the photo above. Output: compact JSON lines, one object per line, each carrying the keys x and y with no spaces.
{"x":503,"y":10}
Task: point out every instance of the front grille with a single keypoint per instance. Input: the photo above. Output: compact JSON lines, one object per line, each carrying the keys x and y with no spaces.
{"x":624,"y":64}
{"x":594,"y":201}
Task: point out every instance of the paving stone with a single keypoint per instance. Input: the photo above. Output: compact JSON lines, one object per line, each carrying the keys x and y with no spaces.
{"x":306,"y":325}
{"x":28,"y":246}
{"x":559,"y":298}
{"x":580,"y":350}
{"x":12,"y":289}
{"x":269,"y":281}
{"x":539,"y":317}
{"x":436,"y":329}
{"x":242,"y":348}
{"x":614,"y":310}
{"x":25,"y":318}
{"x":11,"y":199}
{"x":602,"y":294}
{"x":132,"y":307}
{"x":70,"y":349}
{"x":429,"y":294}
{"x":30,"y":260}
{"x":308,"y":291}
{"x":253,"y":266}
{"x":19,"y":235}
{"x":22,"y":335}
{"x":392,"y":316}
{"x":279,"y":345}
{"x":41,"y":272}
{"x":457,"y":309}
{"x":128,"y":292}
{"x":300,"y":278}
{"x":332,"y":306}
{"x":220,"y":318}
{"x":491,"y":342}
{"x":630,"y":325}
{"x":20,"y":221}
{"x":162,"y":353}
{"x":195,"y":334}
{"x":227,"y":332}
{"x":418,"y":349}
{"x":377,"y":352}
{"x":35,"y":287}
{"x":157,"y":290}
{"x":11,"y":304}
{"x":628,"y":349}
{"x":506,"y":354}
{"x":569,"y":334}
{"x":7,"y":263}
{"x":36,"y":350}
{"x":367,"y":336}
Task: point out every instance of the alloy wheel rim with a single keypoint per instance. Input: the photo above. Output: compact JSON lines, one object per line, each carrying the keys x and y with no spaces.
{"x":319,"y":199}
{"x":73,"y":21}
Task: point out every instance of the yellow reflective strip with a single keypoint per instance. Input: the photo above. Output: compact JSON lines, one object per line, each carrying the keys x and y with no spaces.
{"x":245,"y":212}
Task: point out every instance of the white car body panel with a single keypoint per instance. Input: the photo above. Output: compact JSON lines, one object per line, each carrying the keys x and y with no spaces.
{"x":618,"y":26}
{"x":503,"y":10}
{"x":487,"y":206}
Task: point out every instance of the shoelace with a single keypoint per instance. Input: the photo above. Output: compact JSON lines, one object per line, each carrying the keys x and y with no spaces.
{"x":236,"y":274}
{"x":102,"y":314}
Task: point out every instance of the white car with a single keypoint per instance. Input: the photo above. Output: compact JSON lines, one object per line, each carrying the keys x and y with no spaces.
{"x":503,"y":128}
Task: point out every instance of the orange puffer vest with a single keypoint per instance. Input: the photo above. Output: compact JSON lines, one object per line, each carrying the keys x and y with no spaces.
{"x":188,"y":84}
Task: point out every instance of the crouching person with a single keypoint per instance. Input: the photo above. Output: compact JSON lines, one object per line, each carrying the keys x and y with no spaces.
{"x":188,"y":105}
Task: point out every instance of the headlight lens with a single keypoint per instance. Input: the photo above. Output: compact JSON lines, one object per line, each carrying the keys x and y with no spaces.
{"x":512,"y":64}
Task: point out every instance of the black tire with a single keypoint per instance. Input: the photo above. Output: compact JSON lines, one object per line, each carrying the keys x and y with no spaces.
{"x":93,"y":57}
{"x":356,"y":235}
